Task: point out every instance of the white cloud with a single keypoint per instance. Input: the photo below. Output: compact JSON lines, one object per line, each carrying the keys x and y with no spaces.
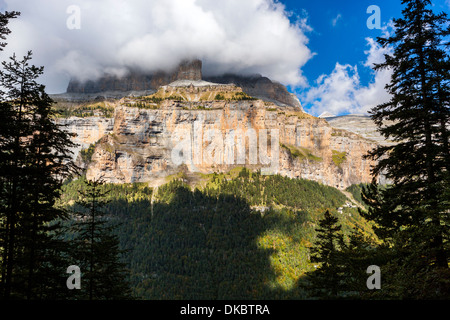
{"x":334,"y":92}
{"x":254,"y":36}
{"x":341,"y":91}
{"x":375,"y":93}
{"x":335,"y":20}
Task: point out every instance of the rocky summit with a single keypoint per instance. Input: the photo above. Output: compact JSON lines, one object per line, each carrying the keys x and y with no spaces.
{"x":142,"y":83}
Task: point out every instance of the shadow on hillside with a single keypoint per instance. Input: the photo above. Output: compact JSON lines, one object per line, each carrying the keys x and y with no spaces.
{"x":196,"y":246}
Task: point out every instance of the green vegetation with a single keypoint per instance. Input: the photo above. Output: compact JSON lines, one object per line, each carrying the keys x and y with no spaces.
{"x":201,"y":108}
{"x":242,"y":236}
{"x":35,"y":159}
{"x":356,"y":190}
{"x":300,"y":153}
{"x":342,"y":260}
{"x":32,"y":149}
{"x":412,"y":214}
{"x":338,"y":157}
{"x":175,"y":97}
{"x":142,"y":105}
{"x":327,"y":281}
{"x":238,"y":96}
{"x":83,"y":111}
{"x":219,"y":96}
{"x":152,"y":99}
{"x":94,"y":248}
{"x":152,"y":102}
{"x":86,"y":154}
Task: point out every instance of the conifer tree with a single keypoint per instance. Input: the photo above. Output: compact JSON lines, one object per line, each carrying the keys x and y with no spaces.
{"x":96,"y":249}
{"x":34,"y":159}
{"x":4,"y":30}
{"x":411,"y":213}
{"x":326,"y":281}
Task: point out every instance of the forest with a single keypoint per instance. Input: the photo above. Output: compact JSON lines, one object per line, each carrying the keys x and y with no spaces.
{"x":240,"y":238}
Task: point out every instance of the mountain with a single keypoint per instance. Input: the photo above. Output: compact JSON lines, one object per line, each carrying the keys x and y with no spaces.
{"x":217,"y":184}
{"x":136,"y":82}
{"x":208,"y":127}
{"x":261,"y":87}
{"x":146,"y":127}
{"x":360,"y":124}
{"x":326,"y":114}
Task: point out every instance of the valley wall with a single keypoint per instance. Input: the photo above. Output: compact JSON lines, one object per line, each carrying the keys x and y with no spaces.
{"x":139,"y":145}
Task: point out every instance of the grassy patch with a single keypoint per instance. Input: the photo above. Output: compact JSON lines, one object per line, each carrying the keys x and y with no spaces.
{"x":339,"y":157}
{"x":219,"y":96}
{"x":238,"y":96}
{"x":86,"y":154}
{"x":101,"y":109}
{"x":300,"y":153}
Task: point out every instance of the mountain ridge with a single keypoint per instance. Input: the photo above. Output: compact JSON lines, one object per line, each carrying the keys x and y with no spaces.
{"x":141,"y":83}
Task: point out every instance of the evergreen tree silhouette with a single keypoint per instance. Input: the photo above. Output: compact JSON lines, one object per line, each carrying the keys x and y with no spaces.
{"x":411,"y":213}
{"x":96,"y":249}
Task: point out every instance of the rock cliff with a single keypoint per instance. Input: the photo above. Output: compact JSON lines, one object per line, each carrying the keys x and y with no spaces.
{"x":261,"y":87}
{"x":149,"y":142}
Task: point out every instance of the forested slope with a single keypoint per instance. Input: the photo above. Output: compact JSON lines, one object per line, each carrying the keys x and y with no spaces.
{"x":241,"y":237}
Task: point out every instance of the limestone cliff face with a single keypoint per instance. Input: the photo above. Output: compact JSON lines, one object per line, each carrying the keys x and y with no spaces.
{"x":145,"y":144}
{"x":87,"y":130}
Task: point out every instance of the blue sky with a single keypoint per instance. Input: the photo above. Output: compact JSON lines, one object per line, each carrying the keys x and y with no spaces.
{"x":339,"y":31}
{"x":322,"y":50}
{"x":339,"y":35}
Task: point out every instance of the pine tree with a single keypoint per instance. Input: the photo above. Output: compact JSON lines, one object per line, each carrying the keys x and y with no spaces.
{"x":4,"y":30}
{"x":411,"y":213}
{"x":360,"y":252}
{"x":96,"y":249}
{"x":35,"y":157}
{"x":326,"y":281}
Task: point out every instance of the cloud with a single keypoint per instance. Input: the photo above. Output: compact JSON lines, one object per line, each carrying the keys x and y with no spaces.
{"x":335,"y":20}
{"x":375,"y":93}
{"x":243,"y":37}
{"x":334,"y":92}
{"x":341,"y":91}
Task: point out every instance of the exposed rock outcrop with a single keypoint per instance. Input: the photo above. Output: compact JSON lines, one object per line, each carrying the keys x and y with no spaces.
{"x":261,"y":87}
{"x":143,"y":144}
{"x":359,"y":124}
{"x":87,"y":130}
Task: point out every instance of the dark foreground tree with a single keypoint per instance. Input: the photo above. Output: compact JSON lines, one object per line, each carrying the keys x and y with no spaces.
{"x":4,"y":30}
{"x":411,"y":214}
{"x":326,"y":281}
{"x":34,"y":160}
{"x":96,"y":249}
